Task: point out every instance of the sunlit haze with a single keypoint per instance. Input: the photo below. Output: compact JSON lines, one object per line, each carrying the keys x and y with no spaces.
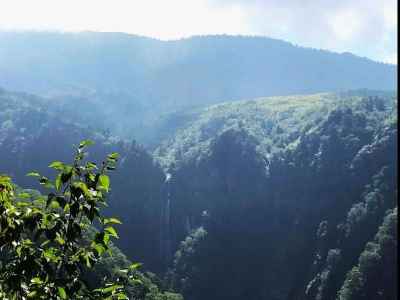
{"x":364,"y":27}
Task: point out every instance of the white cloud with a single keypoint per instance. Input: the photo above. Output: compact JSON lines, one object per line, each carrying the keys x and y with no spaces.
{"x":365,"y":27}
{"x":346,"y":24}
{"x":162,"y":19}
{"x":390,"y":14}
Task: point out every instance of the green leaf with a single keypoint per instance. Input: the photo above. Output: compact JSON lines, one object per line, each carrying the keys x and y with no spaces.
{"x":23,"y":204}
{"x":48,"y":185}
{"x":112,"y":288}
{"x":24,"y":195}
{"x":58,"y":182}
{"x":40,"y":201}
{"x":66,"y":174}
{"x":62,"y":293}
{"x":60,"y":240}
{"x":99,"y":248}
{"x":54,"y":205}
{"x":50,"y":255}
{"x":83,"y":187}
{"x":106,"y":239}
{"x":91,"y":166}
{"x":33,"y":174}
{"x":138,"y":281}
{"x":50,"y":198}
{"x":111,"y":221}
{"x":89,"y":260}
{"x":104,"y":182}
{"x":135,"y":266}
{"x":36,"y":280}
{"x":32,"y":294}
{"x":43,"y":180}
{"x":85,"y":143}
{"x":57,"y":165}
{"x":111,"y":231}
{"x":45,"y":243}
{"x":113,"y":156}
{"x":46,"y":182}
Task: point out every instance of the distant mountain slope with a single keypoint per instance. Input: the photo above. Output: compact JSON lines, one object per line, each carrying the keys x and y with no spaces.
{"x":199,"y":69}
{"x":275,"y":123}
{"x":134,"y":79}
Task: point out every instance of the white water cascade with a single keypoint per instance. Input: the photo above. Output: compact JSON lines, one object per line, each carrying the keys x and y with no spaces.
{"x":165,"y":237}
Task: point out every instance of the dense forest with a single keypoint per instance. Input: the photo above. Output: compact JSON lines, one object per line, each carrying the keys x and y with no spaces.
{"x":128,"y":81}
{"x":291,"y":194}
{"x":294,"y":187}
{"x":245,"y":193}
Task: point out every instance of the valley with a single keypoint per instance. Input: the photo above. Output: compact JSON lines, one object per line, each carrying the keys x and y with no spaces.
{"x":277,"y":181}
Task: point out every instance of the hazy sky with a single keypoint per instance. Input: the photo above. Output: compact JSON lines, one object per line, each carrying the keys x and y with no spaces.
{"x":364,"y":27}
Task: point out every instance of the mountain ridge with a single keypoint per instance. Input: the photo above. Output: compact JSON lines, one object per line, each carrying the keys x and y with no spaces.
{"x":191,"y":37}
{"x":139,"y":78}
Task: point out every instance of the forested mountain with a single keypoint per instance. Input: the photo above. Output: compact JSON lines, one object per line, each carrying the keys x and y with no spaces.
{"x":124,"y":83}
{"x":291,"y":197}
{"x":278,"y":198}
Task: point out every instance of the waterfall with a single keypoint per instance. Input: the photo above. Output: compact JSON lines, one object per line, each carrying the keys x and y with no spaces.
{"x":165,"y":237}
{"x":188,"y":225}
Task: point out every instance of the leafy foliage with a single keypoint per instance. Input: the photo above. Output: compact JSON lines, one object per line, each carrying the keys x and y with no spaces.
{"x":371,"y":278}
{"x":44,"y":240}
{"x":186,"y":261}
{"x":38,"y":136}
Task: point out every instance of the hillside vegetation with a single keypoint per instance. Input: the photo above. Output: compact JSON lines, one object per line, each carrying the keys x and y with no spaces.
{"x":124,"y":83}
{"x":280,"y":198}
{"x":274,"y":123}
{"x":31,"y":137}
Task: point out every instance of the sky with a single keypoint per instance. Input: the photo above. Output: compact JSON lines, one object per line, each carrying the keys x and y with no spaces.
{"x":364,"y":27}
